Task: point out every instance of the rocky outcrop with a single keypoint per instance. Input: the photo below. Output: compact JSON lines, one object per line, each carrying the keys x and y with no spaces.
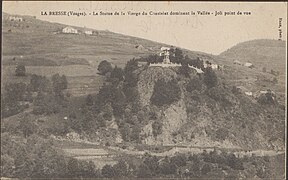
{"x":209,"y":117}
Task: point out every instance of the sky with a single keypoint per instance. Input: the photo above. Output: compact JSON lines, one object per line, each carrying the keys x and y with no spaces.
{"x":210,"y":34}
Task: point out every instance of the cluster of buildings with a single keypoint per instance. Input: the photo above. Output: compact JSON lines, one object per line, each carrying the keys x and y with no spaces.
{"x":247,"y":64}
{"x":15,"y":18}
{"x":71,"y":30}
{"x":256,"y":94}
{"x":166,"y":52}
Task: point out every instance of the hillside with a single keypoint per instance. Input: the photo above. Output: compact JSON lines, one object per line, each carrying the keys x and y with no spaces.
{"x":43,"y":50}
{"x":200,"y":114}
{"x":262,"y":53}
{"x":131,"y":119}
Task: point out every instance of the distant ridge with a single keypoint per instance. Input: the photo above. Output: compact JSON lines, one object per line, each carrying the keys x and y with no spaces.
{"x":263,"y":53}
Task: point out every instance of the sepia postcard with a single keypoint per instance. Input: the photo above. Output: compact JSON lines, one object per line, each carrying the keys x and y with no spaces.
{"x":143,"y":90}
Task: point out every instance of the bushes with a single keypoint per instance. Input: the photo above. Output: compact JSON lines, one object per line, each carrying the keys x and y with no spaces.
{"x":20,"y":70}
{"x":221,"y":95}
{"x":268,"y":98}
{"x":117,"y":74}
{"x":210,"y":78}
{"x":157,"y":128}
{"x":46,"y":104}
{"x":11,"y":99}
{"x":59,"y":83}
{"x":39,"y":83}
{"x":194,"y":84}
{"x":118,"y":170}
{"x":165,"y":93}
{"x":104,"y":67}
{"x":184,"y":70}
{"x":222,"y":134}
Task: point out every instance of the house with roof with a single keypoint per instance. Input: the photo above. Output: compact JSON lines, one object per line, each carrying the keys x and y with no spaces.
{"x":69,"y":30}
{"x":88,"y":32}
{"x":15,"y":18}
{"x":249,"y":65}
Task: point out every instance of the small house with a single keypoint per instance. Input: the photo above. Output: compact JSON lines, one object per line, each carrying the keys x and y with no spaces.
{"x":95,"y":33}
{"x":13,"y":18}
{"x":88,"y":32}
{"x":237,"y":62}
{"x":249,"y":93}
{"x":249,"y":65}
{"x":140,"y":47}
{"x":214,"y":66}
{"x":69,"y":30}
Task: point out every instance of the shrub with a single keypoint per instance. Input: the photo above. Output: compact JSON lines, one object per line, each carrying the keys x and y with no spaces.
{"x":222,"y":134}
{"x":206,"y":169}
{"x":39,"y":83}
{"x":210,"y":78}
{"x":59,"y":83}
{"x":46,"y":104}
{"x":179,"y":160}
{"x":267,"y":98}
{"x":104,"y":67}
{"x":165,"y":93}
{"x":108,"y":171}
{"x":167,"y":167}
{"x":221,"y":95}
{"x":157,"y":128}
{"x":117,"y":74}
{"x":184,"y":70}
{"x":194,"y":84}
{"x":20,"y":70}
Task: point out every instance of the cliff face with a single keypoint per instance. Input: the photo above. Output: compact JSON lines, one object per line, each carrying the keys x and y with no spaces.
{"x":208,"y":117}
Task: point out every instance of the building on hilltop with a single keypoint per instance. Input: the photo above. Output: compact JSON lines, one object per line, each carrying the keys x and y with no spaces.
{"x":69,"y":30}
{"x":166,"y":52}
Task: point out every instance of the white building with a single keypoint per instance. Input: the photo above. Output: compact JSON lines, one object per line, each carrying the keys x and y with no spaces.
{"x":249,"y":93}
{"x":14,"y":18}
{"x":213,"y":66}
{"x":248,"y":64}
{"x":88,"y":32}
{"x":165,"y":52}
{"x":70,"y":30}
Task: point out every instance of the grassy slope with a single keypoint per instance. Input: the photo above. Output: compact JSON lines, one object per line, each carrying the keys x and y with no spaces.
{"x":33,"y":43}
{"x":262,"y":53}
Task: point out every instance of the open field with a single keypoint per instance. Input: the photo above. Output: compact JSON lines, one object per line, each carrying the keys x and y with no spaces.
{"x":82,"y":79}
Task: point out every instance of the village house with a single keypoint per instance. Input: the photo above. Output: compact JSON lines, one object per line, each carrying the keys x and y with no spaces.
{"x":208,"y":64}
{"x":69,"y":30}
{"x":140,"y":47}
{"x":244,"y":90}
{"x":237,"y":62}
{"x":249,"y":93}
{"x":14,"y":18}
{"x":88,"y":32}
{"x":249,"y":65}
